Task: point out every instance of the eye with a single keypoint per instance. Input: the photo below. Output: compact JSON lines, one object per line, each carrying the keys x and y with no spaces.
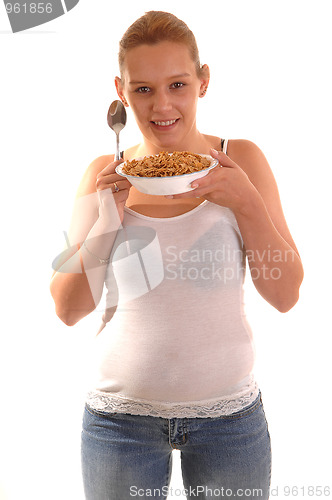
{"x":177,"y":85}
{"x":142,"y":90}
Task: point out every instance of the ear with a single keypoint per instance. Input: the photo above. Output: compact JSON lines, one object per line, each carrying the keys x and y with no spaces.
{"x":205,"y":79}
{"x":120,"y":91}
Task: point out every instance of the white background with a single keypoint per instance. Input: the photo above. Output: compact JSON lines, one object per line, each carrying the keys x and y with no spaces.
{"x":270,"y":83}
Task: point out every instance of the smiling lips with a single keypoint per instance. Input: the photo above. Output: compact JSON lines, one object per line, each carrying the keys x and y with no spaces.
{"x":166,"y":123}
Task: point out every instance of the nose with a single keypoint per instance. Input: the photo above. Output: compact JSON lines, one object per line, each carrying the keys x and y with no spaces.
{"x":161,"y":102}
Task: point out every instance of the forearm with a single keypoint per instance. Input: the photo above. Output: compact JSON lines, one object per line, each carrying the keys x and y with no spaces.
{"x":77,"y":285}
{"x":275,"y":266}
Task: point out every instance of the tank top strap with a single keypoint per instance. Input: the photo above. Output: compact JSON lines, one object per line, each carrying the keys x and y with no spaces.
{"x":224,"y":143}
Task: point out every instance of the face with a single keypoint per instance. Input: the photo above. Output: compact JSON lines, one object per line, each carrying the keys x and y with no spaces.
{"x":161,"y":85}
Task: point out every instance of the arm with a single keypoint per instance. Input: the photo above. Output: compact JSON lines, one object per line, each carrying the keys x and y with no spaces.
{"x":273,"y":258}
{"x":78,"y":280}
{"x":246,"y":185}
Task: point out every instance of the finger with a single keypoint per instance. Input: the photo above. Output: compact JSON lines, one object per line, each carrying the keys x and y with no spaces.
{"x":113,"y":183}
{"x":110,"y":168}
{"x":206,"y":183}
{"x":201,"y":186}
{"x":108,"y":180}
{"x":223,"y":159}
{"x":105,"y":194}
{"x":108,"y":174}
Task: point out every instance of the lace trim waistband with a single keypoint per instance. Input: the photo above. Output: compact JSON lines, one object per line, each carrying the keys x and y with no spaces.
{"x":112,"y":403}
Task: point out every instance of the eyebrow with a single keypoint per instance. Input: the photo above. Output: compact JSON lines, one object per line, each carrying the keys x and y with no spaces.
{"x":174,"y":77}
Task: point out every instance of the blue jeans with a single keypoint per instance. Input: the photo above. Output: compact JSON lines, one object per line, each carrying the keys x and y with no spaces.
{"x":126,"y":456}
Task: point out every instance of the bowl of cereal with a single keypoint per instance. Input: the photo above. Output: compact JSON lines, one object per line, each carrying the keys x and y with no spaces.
{"x":166,"y":173}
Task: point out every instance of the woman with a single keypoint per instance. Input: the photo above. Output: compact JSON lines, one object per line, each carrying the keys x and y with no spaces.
{"x":175,"y":359}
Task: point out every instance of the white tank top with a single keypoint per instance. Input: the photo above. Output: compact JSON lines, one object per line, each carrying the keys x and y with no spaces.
{"x":174,"y":340}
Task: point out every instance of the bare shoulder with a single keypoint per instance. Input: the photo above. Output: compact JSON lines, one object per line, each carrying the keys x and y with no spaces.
{"x":88,"y":181}
{"x":249,"y":157}
{"x":254,"y":163}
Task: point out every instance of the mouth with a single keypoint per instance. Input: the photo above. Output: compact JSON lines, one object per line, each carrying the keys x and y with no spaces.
{"x":166,"y":125}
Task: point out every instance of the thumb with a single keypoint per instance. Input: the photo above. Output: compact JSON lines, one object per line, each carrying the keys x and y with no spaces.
{"x":223,"y":159}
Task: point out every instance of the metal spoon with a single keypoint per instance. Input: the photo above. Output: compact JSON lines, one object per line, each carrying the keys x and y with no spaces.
{"x":116,"y":119}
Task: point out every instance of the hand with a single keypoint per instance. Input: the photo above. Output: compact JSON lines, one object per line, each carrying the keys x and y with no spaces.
{"x":112,"y":187}
{"x":226,"y":185}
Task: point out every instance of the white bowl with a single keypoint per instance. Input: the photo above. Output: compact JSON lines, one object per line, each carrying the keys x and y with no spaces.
{"x":174,"y":184}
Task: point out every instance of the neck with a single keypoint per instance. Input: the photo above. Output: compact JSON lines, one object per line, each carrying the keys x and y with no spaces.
{"x":197,"y":143}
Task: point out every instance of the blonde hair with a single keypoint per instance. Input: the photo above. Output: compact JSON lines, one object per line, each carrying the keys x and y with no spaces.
{"x":157,"y":26}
